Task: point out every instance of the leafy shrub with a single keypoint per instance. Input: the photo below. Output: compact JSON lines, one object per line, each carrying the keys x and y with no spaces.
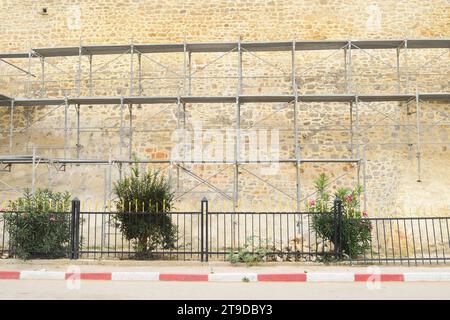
{"x":144,"y":199}
{"x":249,"y":254}
{"x":35,"y":229}
{"x":355,"y":235}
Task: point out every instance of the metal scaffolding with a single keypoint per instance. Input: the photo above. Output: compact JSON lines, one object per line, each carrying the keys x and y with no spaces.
{"x":136,"y":96}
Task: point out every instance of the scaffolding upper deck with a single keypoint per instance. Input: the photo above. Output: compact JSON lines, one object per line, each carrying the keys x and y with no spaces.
{"x":5,"y":101}
{"x":228,"y":46}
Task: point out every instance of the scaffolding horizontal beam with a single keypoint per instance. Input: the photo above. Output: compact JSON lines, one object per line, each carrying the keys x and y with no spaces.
{"x":6,"y":101}
{"x":44,"y":160}
{"x":227,"y":46}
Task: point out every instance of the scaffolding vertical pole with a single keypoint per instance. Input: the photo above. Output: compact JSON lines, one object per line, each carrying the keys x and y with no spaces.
{"x":189,"y":72}
{"x":349,"y":84}
{"x":418,"y":148}
{"x":184,"y":66}
{"x":11,"y":126}
{"x":345,"y":69}
{"x":131,"y":67}
{"x":364,"y":177}
{"x":179,"y":139}
{"x":90,"y":75}
{"x":42,"y":76}
{"x":139,"y":56}
{"x":78,"y":131}
{"x":79,"y":70}
{"x":351,"y":129}
{"x":29,"y":74}
{"x":66,"y":109}
{"x":237,"y":128}
{"x":121,"y":126}
{"x":356,"y":130}
{"x":406,"y":66}
{"x":33,"y":172}
{"x":398,"y":71}
{"x":130,"y":137}
{"x":296,"y":146}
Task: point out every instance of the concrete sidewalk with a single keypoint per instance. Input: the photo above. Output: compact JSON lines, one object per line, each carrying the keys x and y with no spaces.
{"x":214,"y":271}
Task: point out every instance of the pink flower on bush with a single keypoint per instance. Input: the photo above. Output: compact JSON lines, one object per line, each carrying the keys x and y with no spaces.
{"x":312,"y":202}
{"x":52,"y":218}
{"x":365,"y":215}
{"x":349,"y":198}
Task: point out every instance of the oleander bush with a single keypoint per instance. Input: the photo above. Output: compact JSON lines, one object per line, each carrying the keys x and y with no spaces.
{"x":39,"y":224}
{"x":355,"y":235}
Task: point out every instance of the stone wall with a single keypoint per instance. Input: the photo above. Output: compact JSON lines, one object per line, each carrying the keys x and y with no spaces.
{"x":387,"y":129}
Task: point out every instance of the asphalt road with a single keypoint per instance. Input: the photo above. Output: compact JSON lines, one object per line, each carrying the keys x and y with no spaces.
{"x":57,"y":289}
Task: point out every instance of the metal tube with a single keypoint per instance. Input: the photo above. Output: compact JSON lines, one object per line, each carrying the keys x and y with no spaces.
{"x":357,"y":126}
{"x":350,"y":86}
{"x":184,"y":67}
{"x":398,"y":71}
{"x":90,"y":75}
{"x":131,"y":68}
{"x":11,"y":126}
{"x":78,"y":131}
{"x":418,"y":149}
{"x":140,"y":73}
{"x":237,"y":127}
{"x":189,"y":72}
{"x":296,"y":145}
{"x":33,"y":172}
{"x":121,"y":126}
{"x":29,"y":74}
{"x":66,"y":108}
{"x":345,"y":69}
{"x":79,"y":70}
{"x":42,"y":76}
{"x":364,"y":177}
{"x":351,"y":129}
{"x":130,"y":154}
{"x":406,"y":67}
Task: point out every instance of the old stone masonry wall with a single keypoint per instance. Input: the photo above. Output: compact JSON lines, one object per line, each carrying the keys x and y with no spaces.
{"x":385,"y":138}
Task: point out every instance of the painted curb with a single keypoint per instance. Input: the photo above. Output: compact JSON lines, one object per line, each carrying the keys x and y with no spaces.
{"x":330,"y":277}
{"x":42,"y":275}
{"x":228,"y":277}
{"x":426,"y":276}
{"x":384,"y":277}
{"x":182,"y":277}
{"x":135,"y":276}
{"x":232,"y":277}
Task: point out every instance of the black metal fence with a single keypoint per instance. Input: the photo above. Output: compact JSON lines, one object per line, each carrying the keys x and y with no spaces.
{"x":280,"y":236}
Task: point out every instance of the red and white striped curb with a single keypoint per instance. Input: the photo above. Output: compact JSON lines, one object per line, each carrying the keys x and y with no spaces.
{"x":248,"y":276}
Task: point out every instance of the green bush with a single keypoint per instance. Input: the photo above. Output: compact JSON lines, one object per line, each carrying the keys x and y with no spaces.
{"x":39,"y":225}
{"x":143,"y":200}
{"x":355,"y":235}
{"x":249,"y":254}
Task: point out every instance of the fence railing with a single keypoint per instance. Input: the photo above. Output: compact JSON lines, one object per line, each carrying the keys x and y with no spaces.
{"x":281,"y":236}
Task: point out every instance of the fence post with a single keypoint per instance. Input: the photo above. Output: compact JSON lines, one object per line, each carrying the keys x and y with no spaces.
{"x":337,"y":225}
{"x":205,"y":212}
{"x":75,"y":229}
